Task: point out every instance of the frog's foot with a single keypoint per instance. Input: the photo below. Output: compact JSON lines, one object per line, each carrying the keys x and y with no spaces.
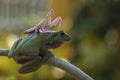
{"x":47,"y":56}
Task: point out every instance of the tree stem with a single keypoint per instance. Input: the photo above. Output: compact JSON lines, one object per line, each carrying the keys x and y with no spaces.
{"x":4,"y":52}
{"x":71,"y":69}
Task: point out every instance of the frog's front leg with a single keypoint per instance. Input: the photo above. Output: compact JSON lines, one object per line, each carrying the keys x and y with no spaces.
{"x":31,"y":65}
{"x":45,"y":54}
{"x":10,"y":54}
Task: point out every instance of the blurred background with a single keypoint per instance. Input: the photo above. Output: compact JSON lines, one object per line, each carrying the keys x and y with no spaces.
{"x":94,"y":26}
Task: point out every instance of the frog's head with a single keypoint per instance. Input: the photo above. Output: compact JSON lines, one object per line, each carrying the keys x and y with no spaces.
{"x":61,"y":36}
{"x":58,"y":37}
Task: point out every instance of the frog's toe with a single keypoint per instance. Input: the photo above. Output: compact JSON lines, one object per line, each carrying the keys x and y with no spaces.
{"x":47,"y":56}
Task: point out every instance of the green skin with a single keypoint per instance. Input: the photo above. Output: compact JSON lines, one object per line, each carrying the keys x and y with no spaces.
{"x":33,"y":50}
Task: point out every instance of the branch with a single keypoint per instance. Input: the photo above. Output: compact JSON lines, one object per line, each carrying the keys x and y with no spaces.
{"x":71,"y":69}
{"x":4,"y":52}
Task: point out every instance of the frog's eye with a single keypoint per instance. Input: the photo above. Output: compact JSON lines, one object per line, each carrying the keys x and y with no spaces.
{"x":62,"y":33}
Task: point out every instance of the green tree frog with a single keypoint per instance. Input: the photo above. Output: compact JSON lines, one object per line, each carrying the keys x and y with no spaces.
{"x":33,"y":50}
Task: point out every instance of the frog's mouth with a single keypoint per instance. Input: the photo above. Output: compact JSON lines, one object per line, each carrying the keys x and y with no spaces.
{"x":54,"y":45}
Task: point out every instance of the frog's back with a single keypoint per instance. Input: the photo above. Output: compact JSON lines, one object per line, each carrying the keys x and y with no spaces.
{"x":32,"y":43}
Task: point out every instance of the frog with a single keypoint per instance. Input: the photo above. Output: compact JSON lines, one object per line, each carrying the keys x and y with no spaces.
{"x":33,"y":50}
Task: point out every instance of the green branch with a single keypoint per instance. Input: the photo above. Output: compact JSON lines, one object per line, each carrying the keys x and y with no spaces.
{"x":4,"y":52}
{"x":66,"y":66}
